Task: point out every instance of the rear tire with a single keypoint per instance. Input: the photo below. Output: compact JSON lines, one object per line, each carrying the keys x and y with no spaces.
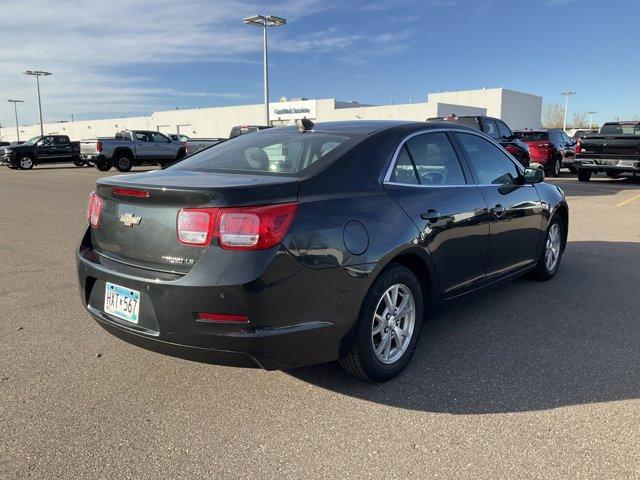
{"x":584,"y":175}
{"x":383,"y":343}
{"x":104,"y":164}
{"x":123,"y":162}
{"x":552,"y":251}
{"x":181,"y":154}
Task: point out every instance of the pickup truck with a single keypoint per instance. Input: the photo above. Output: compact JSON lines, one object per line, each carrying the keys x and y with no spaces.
{"x":494,"y":128}
{"x":132,"y":147}
{"x":41,"y":149}
{"x":195,"y":144}
{"x":615,"y":150}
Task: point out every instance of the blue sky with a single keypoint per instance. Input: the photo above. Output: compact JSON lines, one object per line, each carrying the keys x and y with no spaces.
{"x":130,"y":58}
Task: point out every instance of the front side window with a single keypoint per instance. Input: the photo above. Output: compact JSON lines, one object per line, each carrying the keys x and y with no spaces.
{"x":435,"y":159}
{"x":284,"y":151}
{"x":159,"y":138}
{"x":505,"y":132}
{"x":491,"y":164}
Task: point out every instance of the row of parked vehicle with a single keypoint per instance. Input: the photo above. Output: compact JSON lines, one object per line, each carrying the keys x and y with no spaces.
{"x":612,"y":150}
{"x":123,"y":151}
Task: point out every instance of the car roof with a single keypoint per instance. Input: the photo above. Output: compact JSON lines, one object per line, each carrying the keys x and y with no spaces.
{"x":368,"y":127}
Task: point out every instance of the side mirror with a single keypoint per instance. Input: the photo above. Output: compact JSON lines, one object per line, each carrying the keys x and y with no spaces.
{"x":533,"y":175}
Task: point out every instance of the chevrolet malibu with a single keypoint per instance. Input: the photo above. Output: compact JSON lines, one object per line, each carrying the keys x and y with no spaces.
{"x":300,"y":245}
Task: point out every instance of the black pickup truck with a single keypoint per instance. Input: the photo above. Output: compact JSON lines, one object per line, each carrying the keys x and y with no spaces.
{"x":615,"y":150}
{"x":37,"y":150}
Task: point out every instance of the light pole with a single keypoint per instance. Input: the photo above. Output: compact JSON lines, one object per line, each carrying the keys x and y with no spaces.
{"x":38,"y":74}
{"x":566,"y":107}
{"x":15,"y":111}
{"x":591,"y":114}
{"x":265,"y":21}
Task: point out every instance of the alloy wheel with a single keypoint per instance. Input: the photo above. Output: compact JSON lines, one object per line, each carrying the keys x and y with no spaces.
{"x":552,"y":248}
{"x":393,"y":323}
{"x":26,"y":163}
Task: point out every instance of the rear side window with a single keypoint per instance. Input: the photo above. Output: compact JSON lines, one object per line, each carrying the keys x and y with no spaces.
{"x":404,"y":172}
{"x":489,"y":127}
{"x":435,"y":159}
{"x":491,"y":164}
{"x":273,"y":151}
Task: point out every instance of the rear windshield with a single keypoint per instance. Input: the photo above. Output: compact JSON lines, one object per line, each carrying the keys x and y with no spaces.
{"x":620,"y":129}
{"x":274,"y":151}
{"x":533,"y":136}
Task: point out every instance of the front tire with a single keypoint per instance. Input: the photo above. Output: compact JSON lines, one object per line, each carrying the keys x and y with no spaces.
{"x":25,"y":163}
{"x":388,"y":326}
{"x":584,"y":175}
{"x":551,"y":255}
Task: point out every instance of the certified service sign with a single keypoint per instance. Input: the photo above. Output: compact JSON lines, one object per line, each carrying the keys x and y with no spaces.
{"x":293,"y":110}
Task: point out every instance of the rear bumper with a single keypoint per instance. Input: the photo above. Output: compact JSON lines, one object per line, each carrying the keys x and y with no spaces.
{"x":298,"y":316}
{"x":91,"y":158}
{"x":608,"y":164}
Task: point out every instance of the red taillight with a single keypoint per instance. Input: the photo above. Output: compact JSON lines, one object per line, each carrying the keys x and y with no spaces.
{"x":98,"y":147}
{"x":130,"y":192}
{"x":241,"y":228}
{"x":94,"y":209}
{"x":195,"y":226}
{"x":186,"y":147}
{"x":579,"y":146}
{"x":222,"y":318}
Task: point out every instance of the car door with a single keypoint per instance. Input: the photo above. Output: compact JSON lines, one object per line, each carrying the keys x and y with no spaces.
{"x":436,"y":190}
{"x":162,"y":146}
{"x":63,"y":149}
{"x":144,"y":145}
{"x":515,"y":208}
{"x":46,"y":150}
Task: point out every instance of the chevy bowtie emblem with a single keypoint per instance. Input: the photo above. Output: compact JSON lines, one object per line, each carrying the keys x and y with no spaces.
{"x":130,"y":220}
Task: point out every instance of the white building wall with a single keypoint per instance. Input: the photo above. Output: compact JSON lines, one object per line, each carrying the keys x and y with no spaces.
{"x":519,"y":110}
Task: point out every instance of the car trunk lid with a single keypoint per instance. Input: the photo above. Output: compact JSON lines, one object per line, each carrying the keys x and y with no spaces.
{"x":138,"y":221}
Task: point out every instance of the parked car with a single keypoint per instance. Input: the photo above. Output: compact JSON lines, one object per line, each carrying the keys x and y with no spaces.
{"x":41,"y":149}
{"x":194,"y":145}
{"x":132,"y":147}
{"x":615,"y":150}
{"x":337,"y":254}
{"x":578,"y":134}
{"x":242,"y":129}
{"x":550,"y":149}
{"x":496,"y":129}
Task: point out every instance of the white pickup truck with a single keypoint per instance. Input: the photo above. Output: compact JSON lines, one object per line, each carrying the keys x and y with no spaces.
{"x":132,"y":147}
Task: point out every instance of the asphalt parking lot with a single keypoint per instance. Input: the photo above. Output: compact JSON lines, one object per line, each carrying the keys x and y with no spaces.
{"x":528,"y":380}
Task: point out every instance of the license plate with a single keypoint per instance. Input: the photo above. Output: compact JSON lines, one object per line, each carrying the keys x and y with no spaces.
{"x":122,"y":302}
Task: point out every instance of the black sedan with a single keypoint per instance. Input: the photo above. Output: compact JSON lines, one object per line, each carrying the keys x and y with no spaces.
{"x":299,"y":245}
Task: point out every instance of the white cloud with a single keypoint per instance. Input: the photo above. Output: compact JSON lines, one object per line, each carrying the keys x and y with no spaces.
{"x":88,"y":43}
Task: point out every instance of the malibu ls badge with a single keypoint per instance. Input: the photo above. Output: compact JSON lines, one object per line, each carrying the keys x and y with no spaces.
{"x":130,"y":219}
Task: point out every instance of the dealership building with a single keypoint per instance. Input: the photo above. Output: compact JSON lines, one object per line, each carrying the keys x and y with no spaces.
{"x":519,"y":110}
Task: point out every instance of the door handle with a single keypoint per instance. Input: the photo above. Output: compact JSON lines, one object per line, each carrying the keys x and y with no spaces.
{"x":498,"y":210}
{"x":430,"y":215}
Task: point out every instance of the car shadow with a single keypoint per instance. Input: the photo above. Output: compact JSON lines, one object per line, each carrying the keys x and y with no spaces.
{"x":524,"y":345}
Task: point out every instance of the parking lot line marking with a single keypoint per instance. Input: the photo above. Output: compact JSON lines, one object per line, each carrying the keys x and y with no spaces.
{"x":628,"y":200}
